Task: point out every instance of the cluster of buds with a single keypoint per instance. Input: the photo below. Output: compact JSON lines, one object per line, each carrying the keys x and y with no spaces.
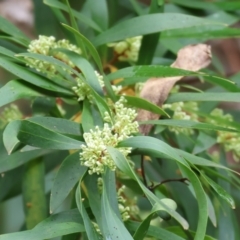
{"x":127,"y":207}
{"x":9,"y":114}
{"x":116,"y":128}
{"x":229,"y":140}
{"x":83,"y":91}
{"x":183,"y":111}
{"x":128,"y":49}
{"x":45,"y":45}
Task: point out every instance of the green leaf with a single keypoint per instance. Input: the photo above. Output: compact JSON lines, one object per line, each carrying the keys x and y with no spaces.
{"x":166,"y":203}
{"x":144,"y":104}
{"x":154,"y":145}
{"x":36,"y":135}
{"x":8,"y":28}
{"x":113,"y":227}
{"x":201,"y":161}
{"x":60,"y":125}
{"x":109,"y":181}
{"x":56,"y":225}
{"x":86,"y":69}
{"x":204,"y":97}
{"x":220,"y":191}
{"x":89,"y":45}
{"x":201,"y":200}
{"x":142,"y":73}
{"x":145,"y":53}
{"x":87,"y":118}
{"x":67,"y":176}
{"x":10,"y":139}
{"x":88,"y":21}
{"x":145,"y":224}
{"x":153,"y":231}
{"x":203,"y":142}
{"x":7,"y":52}
{"x":90,"y":229}
{"x":146,"y":24}
{"x":33,"y":78}
{"x":189,"y":124}
{"x":33,"y":182}
{"x":17,"y":159}
{"x":17,"y":89}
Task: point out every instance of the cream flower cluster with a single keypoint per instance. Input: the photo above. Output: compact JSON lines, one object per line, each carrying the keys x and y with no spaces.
{"x":229,"y":140}
{"x":94,"y":154}
{"x":128,"y":49}
{"x":182,"y":111}
{"x":9,"y":114}
{"x":44,"y":45}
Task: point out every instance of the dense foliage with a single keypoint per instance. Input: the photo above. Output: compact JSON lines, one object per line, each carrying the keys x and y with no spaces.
{"x":78,"y":160}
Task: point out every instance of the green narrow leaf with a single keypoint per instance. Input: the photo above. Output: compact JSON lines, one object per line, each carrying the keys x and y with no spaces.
{"x":144,"y":104}
{"x":75,"y":26}
{"x":109,"y":181}
{"x":87,"y":118}
{"x":56,"y":225}
{"x":90,"y":229}
{"x":189,"y":124}
{"x":113,"y":227}
{"x":36,"y":135}
{"x":153,"y":231}
{"x":67,"y":176}
{"x":33,"y":78}
{"x":88,"y":21}
{"x":203,"y":97}
{"x":145,"y":53}
{"x":89,"y":45}
{"x":146,"y":24}
{"x":17,"y":89}
{"x":59,"y":125}
{"x":8,"y":28}
{"x":166,"y":204}
{"x":201,"y":199}
{"x":220,"y":191}
{"x":34,"y":199}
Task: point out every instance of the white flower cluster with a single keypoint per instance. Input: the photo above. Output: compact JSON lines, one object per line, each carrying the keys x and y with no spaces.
{"x":229,"y":140}
{"x":128,"y":49}
{"x":9,"y":114}
{"x":83,"y":90}
{"x":94,"y":154}
{"x":182,"y":111}
{"x":44,"y":45}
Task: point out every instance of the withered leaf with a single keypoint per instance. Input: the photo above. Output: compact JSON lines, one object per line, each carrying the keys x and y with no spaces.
{"x":156,"y":90}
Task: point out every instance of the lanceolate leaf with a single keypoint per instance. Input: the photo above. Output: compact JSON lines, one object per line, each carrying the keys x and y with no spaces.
{"x":146,"y":24}
{"x":36,"y":135}
{"x":17,"y":89}
{"x":56,"y":225}
{"x":201,"y":199}
{"x":89,"y":45}
{"x":166,"y":204}
{"x":204,"y":97}
{"x":220,"y":191}
{"x":144,"y":104}
{"x":189,"y":124}
{"x":68,"y":175}
{"x":8,"y":28}
{"x":88,"y":21}
{"x":32,"y":78}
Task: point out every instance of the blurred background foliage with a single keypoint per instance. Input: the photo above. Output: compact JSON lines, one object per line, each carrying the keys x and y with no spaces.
{"x":37,"y":18}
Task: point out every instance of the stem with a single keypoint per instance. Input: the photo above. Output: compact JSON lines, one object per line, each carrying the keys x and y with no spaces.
{"x":34,"y":198}
{"x":183,"y":180}
{"x":143,"y":171}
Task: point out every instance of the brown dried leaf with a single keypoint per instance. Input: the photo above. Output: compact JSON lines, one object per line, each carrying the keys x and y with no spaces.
{"x":156,"y":90}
